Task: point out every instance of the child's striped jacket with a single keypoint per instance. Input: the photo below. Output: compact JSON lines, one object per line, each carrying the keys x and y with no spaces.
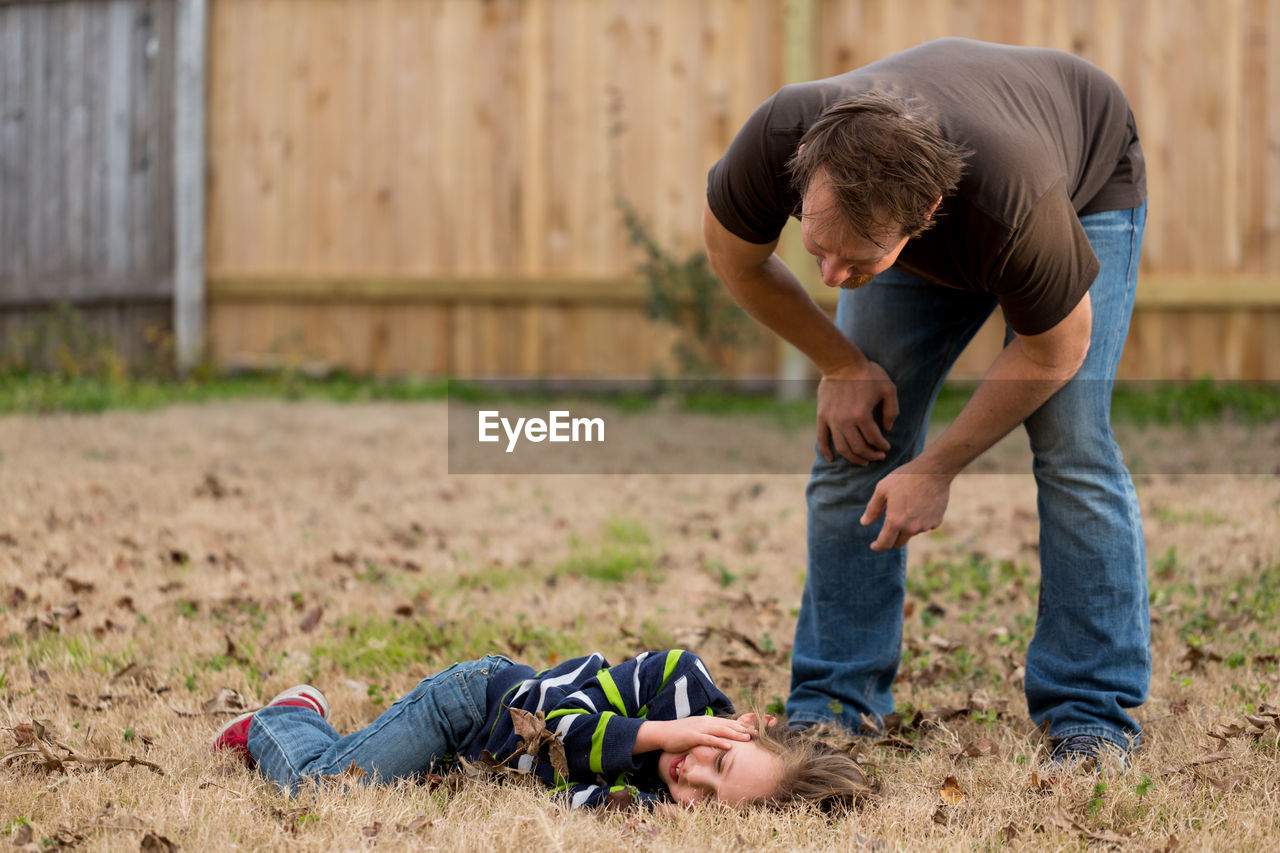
{"x":597,"y":709}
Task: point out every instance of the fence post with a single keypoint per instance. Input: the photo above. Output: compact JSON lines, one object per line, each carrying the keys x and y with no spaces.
{"x":799,"y":63}
{"x":189,"y":181}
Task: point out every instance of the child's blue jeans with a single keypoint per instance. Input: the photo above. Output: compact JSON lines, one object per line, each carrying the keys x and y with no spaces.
{"x":439,"y":717}
{"x":1090,"y":657}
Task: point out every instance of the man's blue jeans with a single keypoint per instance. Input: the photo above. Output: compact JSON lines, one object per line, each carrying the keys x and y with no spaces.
{"x":438,"y":718}
{"x":1090,"y":657}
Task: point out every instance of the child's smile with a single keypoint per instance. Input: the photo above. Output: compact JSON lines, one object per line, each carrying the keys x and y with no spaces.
{"x":746,"y":771}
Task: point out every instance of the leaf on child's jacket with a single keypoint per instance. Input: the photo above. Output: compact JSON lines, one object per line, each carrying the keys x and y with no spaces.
{"x":558,"y":759}
{"x":531,"y":728}
{"x":619,"y":800}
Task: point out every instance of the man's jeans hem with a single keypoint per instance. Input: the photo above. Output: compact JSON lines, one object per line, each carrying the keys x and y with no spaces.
{"x":1127,"y":743}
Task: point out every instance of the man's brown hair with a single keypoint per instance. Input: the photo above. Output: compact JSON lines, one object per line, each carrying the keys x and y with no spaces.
{"x":886,"y":160}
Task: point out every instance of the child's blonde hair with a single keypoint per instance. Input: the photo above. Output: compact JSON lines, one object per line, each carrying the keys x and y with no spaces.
{"x":812,"y":771}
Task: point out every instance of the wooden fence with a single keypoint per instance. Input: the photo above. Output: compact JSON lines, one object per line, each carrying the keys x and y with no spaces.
{"x":89,"y":168}
{"x":429,"y":186}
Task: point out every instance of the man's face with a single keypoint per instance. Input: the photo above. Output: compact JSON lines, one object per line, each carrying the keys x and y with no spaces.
{"x":846,"y":259}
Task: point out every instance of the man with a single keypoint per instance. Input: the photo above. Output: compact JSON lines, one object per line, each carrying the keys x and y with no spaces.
{"x":932,"y":186}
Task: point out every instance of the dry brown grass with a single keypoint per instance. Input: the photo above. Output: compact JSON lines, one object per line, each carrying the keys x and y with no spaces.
{"x":254,"y":545}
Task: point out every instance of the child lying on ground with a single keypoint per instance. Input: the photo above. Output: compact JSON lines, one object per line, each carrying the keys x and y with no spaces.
{"x":646,"y":727}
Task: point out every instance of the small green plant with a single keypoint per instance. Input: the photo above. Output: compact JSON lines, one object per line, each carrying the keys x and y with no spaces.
{"x":1097,"y":801}
{"x":722,"y":574}
{"x":685,"y":294}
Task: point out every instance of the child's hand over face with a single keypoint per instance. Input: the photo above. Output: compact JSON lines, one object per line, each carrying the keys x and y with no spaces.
{"x":689,"y":733}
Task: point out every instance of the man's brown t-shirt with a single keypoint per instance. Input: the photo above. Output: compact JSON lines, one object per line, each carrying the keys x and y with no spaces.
{"x":1052,"y":138}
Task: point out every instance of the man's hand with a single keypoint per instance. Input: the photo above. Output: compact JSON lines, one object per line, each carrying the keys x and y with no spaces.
{"x":847,"y":399}
{"x":685,"y":734}
{"x":911,"y":502}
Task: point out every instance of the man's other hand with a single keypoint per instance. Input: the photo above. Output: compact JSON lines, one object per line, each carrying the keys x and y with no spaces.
{"x":847,"y":401}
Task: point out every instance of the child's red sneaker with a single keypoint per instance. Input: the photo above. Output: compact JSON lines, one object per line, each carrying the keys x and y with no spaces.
{"x":235,"y":734}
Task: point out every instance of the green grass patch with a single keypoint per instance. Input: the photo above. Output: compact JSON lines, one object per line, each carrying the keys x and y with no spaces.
{"x":25,"y":391}
{"x":373,"y":646}
{"x":624,"y":552}
{"x":37,"y":393}
{"x":609,"y":562}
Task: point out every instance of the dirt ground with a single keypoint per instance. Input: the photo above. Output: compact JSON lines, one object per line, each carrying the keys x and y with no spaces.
{"x":149,"y":560}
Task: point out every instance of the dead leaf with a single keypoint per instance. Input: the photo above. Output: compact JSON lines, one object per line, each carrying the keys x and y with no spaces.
{"x":372,"y":830}
{"x":1263,"y":722}
{"x":312,"y":620}
{"x":225,"y":701}
{"x":212,"y":487}
{"x":897,"y":743}
{"x":153,"y":843}
{"x":619,"y":800}
{"x":1062,"y":820}
{"x":559,"y":762}
{"x":1195,"y":656}
{"x":100,"y":704}
{"x":1227,"y":784}
{"x":109,"y":818}
{"x":352,"y":774}
{"x":419,"y":824}
{"x":979,"y":701}
{"x":640,"y":828}
{"x":1211,"y":758}
{"x":1171,"y":845}
{"x":78,"y":586}
{"x":978,"y":748}
{"x":951,"y":793}
{"x":531,"y":728}
{"x":942,"y":644}
{"x":1038,"y":784}
{"x":942,"y":815}
{"x":1010,"y":833}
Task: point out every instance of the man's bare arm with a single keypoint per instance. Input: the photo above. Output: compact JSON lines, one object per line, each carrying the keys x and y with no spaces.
{"x":852,"y":387}
{"x":766,"y":289}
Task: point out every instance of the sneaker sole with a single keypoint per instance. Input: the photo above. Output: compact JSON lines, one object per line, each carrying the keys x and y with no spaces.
{"x":301,"y":691}
{"x":307,"y":693}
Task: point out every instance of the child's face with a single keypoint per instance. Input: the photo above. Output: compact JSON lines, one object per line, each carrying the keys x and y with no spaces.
{"x":745,"y":771}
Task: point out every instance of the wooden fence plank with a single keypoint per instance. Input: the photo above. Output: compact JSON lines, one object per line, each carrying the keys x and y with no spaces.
{"x":188,"y":206}
{"x":39,"y":219}
{"x":15,"y":119}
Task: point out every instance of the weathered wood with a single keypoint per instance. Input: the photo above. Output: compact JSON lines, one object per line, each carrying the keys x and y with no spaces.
{"x":14,"y":140}
{"x":117,"y":104}
{"x":84,"y":287}
{"x":189,"y":178}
